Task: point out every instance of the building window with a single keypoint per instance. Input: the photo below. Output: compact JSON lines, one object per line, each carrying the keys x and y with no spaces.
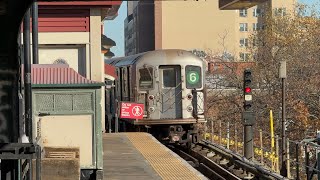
{"x":244,"y":42}
{"x":243,"y":13}
{"x":256,"y":26}
{"x":257,"y":12}
{"x":243,"y":27}
{"x":280,"y":11}
{"x":244,"y":56}
{"x":255,"y":56}
{"x":255,"y":42}
{"x":215,"y":67}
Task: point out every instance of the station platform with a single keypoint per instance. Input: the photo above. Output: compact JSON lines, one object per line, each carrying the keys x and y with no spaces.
{"x":141,"y":156}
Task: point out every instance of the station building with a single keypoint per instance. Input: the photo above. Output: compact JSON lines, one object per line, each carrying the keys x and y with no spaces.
{"x":70,"y":33}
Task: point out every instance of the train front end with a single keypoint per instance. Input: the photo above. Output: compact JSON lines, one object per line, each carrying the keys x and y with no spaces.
{"x":171,"y":86}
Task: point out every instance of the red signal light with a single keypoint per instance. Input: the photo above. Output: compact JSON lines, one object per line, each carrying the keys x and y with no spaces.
{"x":247,"y":90}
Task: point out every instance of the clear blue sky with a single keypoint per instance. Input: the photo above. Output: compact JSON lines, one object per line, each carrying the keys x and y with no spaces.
{"x":309,"y":1}
{"x":114,"y":29}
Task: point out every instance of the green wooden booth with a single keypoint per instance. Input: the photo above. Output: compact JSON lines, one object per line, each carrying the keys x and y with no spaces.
{"x":67,"y":114}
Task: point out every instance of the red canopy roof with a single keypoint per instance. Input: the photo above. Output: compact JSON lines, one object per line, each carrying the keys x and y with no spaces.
{"x":110,"y":70}
{"x":57,"y":74}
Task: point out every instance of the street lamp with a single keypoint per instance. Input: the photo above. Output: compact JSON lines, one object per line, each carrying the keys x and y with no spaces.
{"x":283,"y":76}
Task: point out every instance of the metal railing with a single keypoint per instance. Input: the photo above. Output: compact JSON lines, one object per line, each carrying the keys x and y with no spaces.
{"x":302,"y":157}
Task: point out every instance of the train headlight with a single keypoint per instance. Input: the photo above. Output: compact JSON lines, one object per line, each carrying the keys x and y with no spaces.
{"x":189,"y":108}
{"x":189,"y":96}
{"x":151,"y":109}
{"x":175,"y":138}
{"x":179,"y":129}
{"x":151,"y":97}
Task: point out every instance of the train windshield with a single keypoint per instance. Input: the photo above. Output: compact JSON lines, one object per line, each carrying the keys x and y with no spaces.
{"x":169,"y":77}
{"x":146,"y":81}
{"x":193,"y":77}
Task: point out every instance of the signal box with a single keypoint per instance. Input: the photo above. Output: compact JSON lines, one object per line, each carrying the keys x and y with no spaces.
{"x":247,"y":90}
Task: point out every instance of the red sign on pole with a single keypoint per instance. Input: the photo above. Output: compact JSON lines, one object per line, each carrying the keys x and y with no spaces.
{"x":131,"y":110}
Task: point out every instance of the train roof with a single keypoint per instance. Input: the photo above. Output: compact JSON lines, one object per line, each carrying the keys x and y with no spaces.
{"x":129,"y":60}
{"x":126,"y":60}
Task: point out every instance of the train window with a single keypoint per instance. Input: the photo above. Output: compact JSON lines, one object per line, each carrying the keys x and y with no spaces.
{"x":130,"y":89}
{"x":124,"y":83}
{"x":146,"y":78}
{"x":169,"y":77}
{"x":117,"y":82}
{"x":193,"y":77}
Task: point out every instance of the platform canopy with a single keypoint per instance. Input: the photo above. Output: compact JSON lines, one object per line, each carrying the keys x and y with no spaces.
{"x":109,"y":8}
{"x":238,"y":4}
{"x":58,"y":75}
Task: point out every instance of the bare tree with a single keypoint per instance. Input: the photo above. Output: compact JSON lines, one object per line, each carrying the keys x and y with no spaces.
{"x":294,"y":38}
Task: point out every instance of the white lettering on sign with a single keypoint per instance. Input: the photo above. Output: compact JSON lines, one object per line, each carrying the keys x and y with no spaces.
{"x":137,"y":111}
{"x":248,"y":97}
{"x":131,"y":110}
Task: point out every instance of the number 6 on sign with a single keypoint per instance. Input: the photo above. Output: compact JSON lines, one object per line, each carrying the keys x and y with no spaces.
{"x":193,"y":77}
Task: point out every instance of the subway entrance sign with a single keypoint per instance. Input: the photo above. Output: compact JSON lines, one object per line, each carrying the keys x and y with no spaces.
{"x":130,"y":110}
{"x":238,"y":4}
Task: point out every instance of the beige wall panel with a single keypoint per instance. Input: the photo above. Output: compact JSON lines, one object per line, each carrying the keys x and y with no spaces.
{"x":49,"y":55}
{"x":102,"y":102}
{"x":95,"y":45}
{"x":96,"y":60}
{"x":69,"y":131}
{"x":61,"y":37}
{"x":88,"y":64}
{"x":64,"y":38}
{"x":197,"y":25}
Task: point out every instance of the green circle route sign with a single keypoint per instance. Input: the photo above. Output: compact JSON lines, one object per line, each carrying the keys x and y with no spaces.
{"x":193,"y":77}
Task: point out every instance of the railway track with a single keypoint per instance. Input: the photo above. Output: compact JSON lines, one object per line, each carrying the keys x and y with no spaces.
{"x":216,"y":162}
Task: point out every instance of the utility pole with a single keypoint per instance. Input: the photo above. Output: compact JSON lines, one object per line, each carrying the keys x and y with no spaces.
{"x":248,"y":116}
{"x":283,"y":76}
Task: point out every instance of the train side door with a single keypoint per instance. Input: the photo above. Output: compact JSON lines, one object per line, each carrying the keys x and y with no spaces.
{"x":124,"y":84}
{"x":118,"y":84}
{"x":171,"y":92}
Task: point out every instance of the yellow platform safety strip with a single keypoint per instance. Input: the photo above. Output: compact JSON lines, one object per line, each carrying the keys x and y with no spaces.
{"x":258,"y":151}
{"x":163,"y":162}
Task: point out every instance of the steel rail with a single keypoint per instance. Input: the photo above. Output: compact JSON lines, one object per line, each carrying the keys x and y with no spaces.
{"x":205,"y":165}
{"x":242,"y":162}
{"x":236,"y":168}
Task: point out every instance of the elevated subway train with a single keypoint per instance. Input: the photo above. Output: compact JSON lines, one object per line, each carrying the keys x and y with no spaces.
{"x":170,"y":84}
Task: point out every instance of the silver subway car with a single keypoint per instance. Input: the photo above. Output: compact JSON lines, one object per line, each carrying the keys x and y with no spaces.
{"x":170,"y":84}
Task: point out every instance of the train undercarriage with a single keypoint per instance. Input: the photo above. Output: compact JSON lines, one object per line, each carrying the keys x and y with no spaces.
{"x":172,"y":132}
